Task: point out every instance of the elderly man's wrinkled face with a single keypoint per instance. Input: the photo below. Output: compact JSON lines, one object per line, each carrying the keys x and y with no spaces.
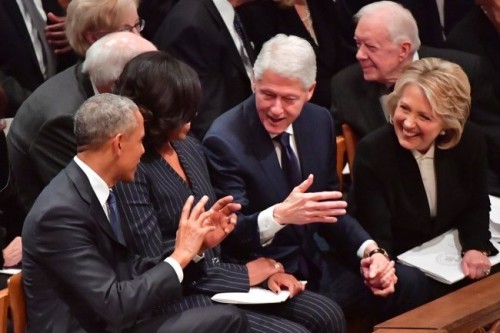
{"x":279,"y":100}
{"x":380,"y":58}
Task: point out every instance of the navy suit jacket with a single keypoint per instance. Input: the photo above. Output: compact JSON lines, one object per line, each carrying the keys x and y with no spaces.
{"x":243,"y":163}
{"x":355,"y":101}
{"x":151,"y":209}
{"x":195,"y":33}
{"x":389,"y":197}
{"x":77,"y":276}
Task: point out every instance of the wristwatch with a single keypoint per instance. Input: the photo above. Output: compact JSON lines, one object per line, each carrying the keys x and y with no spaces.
{"x":378,"y":250}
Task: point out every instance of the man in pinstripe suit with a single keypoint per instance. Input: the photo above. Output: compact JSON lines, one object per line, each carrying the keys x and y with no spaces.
{"x":173,"y":169}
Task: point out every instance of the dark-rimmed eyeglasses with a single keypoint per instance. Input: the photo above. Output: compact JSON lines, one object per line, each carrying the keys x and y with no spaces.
{"x":139,"y":26}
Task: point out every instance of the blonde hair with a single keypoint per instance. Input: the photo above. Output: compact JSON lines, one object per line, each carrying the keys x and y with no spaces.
{"x":446,"y":87}
{"x":85,"y":16}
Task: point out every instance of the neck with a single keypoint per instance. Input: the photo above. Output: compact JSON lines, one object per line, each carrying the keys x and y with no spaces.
{"x":100,"y":165}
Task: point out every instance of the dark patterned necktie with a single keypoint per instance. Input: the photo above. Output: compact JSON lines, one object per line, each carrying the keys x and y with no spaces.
{"x":238,"y":26}
{"x":114,"y":217}
{"x":289,"y":162}
{"x":40,"y":24}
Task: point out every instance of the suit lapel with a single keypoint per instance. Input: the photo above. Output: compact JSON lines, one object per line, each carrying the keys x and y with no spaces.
{"x":304,"y":139}
{"x":17,"y":19}
{"x":82,"y":185}
{"x":234,"y":54}
{"x":264,"y":151}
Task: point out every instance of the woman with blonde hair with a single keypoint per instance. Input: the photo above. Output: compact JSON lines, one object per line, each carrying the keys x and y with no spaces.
{"x":425,"y":173}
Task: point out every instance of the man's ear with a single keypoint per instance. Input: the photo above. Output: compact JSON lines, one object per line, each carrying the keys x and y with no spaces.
{"x":310,"y":91}
{"x":404,"y":50}
{"x":117,"y":143}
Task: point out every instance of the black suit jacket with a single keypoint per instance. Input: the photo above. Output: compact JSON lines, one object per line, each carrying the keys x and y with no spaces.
{"x":355,"y":101}
{"x":265,"y":19}
{"x":476,"y":34}
{"x":77,"y":276}
{"x":389,"y":198}
{"x":195,"y":33}
{"x":41,"y":140}
{"x":243,"y":163}
{"x":18,"y":60}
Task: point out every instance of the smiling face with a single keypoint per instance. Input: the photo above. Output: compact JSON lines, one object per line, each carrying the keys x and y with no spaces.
{"x":380,"y":58}
{"x":279,"y":100}
{"x":415,"y":124}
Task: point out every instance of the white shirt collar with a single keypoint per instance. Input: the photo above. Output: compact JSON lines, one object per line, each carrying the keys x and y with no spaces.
{"x":99,"y":186}
{"x":428,"y":155}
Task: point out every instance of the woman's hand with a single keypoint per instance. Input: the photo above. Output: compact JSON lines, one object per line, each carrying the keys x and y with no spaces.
{"x":475,"y":264}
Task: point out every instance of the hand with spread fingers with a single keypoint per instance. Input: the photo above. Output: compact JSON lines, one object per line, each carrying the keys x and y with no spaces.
{"x":192,"y":231}
{"x":223,"y":219}
{"x":279,"y":281}
{"x":475,"y":264}
{"x":302,"y":207}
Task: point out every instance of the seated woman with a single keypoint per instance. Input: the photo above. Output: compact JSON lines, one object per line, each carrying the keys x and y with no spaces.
{"x":174,"y":168}
{"x":425,"y":173}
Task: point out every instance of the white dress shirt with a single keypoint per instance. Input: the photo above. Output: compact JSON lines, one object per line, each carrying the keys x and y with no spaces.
{"x":428,"y":173}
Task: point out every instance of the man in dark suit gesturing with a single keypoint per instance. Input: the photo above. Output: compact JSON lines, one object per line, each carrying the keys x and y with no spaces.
{"x":78,"y":273}
{"x":281,"y":212}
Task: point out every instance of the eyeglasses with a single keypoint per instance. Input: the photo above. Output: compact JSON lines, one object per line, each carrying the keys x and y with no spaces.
{"x":139,"y":26}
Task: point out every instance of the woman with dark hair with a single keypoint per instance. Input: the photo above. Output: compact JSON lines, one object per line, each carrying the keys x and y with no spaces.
{"x":173,"y":168}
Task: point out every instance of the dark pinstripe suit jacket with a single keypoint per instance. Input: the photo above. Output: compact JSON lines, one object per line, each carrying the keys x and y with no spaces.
{"x":151,"y":209}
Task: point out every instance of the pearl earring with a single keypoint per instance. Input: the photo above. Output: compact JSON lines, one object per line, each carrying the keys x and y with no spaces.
{"x":442,"y":132}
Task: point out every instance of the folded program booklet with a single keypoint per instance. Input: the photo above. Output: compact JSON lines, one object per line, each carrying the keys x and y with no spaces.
{"x":254,"y":296}
{"x":440,"y":257}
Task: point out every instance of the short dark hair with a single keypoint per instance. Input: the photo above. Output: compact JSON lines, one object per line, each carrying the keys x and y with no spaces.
{"x":166,"y":90}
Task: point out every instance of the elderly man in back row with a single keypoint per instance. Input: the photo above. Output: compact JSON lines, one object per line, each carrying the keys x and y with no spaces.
{"x":387,"y":38}
{"x":275,"y":154}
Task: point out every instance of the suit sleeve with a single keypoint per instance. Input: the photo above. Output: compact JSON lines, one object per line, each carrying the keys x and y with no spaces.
{"x":66,"y":249}
{"x":370,"y":203}
{"x":227,"y":180}
{"x":16,"y":93}
{"x":473,"y":224}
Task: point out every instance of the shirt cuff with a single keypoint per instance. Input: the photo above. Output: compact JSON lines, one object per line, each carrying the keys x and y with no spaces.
{"x":268,"y":227}
{"x":362,"y":248}
{"x":177,"y":268}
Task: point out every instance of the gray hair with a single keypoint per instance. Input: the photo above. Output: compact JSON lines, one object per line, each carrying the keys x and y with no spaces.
{"x":107,"y":57}
{"x":401,"y":24}
{"x":288,"y":56}
{"x":103,"y":116}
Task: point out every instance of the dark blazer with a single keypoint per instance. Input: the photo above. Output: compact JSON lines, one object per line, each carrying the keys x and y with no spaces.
{"x":77,"y":276}
{"x":355,"y":101}
{"x":195,"y":33}
{"x":18,"y":59}
{"x":243,"y":163}
{"x":265,"y":19}
{"x":389,"y":198}
{"x":151,"y":209}
{"x":41,"y":140}
{"x":476,"y":34}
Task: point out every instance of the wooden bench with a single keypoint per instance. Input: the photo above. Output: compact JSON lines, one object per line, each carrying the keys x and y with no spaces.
{"x":462,"y":311}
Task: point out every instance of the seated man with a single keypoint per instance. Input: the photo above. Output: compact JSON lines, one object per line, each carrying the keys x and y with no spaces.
{"x":386,"y":45}
{"x":41,"y":140}
{"x":78,"y":273}
{"x":281,"y":212}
